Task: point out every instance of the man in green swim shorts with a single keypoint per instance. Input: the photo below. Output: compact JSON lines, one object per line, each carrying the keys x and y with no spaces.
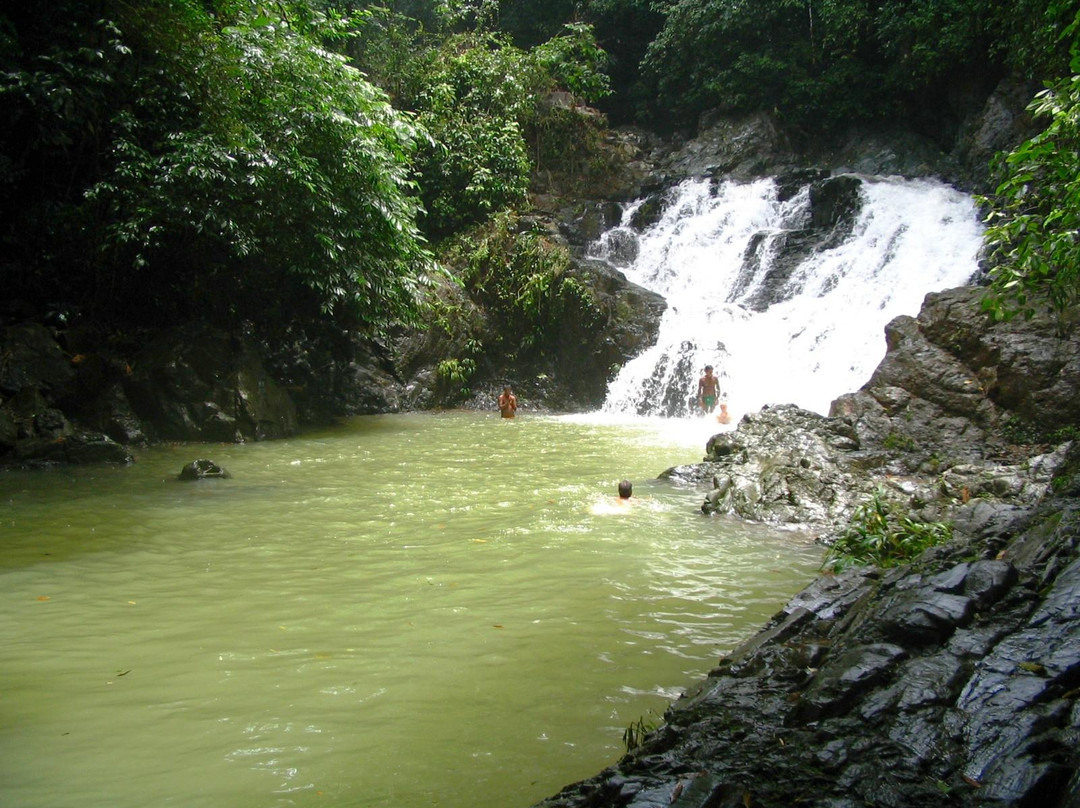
{"x":707,"y":390}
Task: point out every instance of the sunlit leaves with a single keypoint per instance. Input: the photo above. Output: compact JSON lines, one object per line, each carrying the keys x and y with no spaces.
{"x":472,"y":95}
{"x":292,"y":159}
{"x":238,"y":161}
{"x":1033,"y":233}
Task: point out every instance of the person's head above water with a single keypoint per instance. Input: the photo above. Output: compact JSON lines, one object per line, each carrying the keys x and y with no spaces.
{"x":625,"y":489}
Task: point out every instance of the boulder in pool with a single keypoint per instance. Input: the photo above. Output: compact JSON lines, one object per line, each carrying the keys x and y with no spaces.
{"x":203,"y":470}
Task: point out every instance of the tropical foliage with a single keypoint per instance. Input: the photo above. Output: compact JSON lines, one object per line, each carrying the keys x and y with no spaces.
{"x":522,"y":281}
{"x":824,"y":63}
{"x":221,"y":159}
{"x":1034,"y":217}
{"x":883,"y":534}
{"x":484,"y":103}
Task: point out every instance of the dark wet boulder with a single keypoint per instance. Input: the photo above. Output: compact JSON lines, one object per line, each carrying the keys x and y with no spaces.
{"x":203,"y":470}
{"x":33,"y":359}
{"x":73,"y":448}
{"x":840,"y":684}
{"x":925,"y":616}
{"x":196,"y":383}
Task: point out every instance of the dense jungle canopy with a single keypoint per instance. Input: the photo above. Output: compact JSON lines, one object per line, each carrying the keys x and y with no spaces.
{"x":314,"y":164}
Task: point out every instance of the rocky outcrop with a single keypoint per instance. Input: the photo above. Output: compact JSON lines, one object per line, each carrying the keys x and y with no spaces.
{"x":783,"y":465}
{"x":951,"y":681}
{"x":63,"y":405}
{"x":199,"y":384}
{"x":39,"y":383}
{"x":954,"y":385}
{"x":629,"y":320}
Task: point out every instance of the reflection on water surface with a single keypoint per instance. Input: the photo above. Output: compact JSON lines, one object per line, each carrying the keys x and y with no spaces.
{"x":409,"y":610}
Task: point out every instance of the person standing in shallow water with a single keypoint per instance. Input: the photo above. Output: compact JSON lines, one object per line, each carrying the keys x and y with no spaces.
{"x":507,"y":403}
{"x":706,"y":390}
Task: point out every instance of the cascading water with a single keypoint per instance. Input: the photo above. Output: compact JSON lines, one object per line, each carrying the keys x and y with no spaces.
{"x":786,"y":309}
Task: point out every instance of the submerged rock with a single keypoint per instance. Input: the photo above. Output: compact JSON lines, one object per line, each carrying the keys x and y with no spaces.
{"x":203,"y":470}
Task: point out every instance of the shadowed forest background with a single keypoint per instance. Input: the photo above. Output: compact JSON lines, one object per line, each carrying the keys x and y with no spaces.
{"x":298,"y":171}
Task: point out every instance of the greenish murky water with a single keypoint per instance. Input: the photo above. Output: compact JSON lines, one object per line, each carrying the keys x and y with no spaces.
{"x":411,"y":610}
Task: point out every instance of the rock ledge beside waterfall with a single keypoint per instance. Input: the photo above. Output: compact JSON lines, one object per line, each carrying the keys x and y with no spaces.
{"x":949,"y":681}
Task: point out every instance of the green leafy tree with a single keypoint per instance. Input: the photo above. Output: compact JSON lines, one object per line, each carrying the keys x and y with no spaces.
{"x":573,"y":61}
{"x":471,"y":96}
{"x":241,"y":170}
{"x":824,"y":63}
{"x":1034,"y":222}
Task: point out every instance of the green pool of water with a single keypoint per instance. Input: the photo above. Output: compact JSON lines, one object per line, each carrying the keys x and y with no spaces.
{"x":411,"y":610}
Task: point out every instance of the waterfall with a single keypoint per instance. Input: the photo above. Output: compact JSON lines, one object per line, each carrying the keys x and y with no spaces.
{"x":786,"y":308}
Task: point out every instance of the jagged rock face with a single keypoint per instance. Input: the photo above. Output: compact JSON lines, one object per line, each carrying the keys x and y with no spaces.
{"x":36,"y":379}
{"x":783,"y":465}
{"x":630,"y":322}
{"x":952,"y":377}
{"x":951,"y":681}
{"x":196,"y":383}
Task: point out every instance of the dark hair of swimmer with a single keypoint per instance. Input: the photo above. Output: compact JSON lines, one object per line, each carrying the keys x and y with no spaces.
{"x":625,"y":489}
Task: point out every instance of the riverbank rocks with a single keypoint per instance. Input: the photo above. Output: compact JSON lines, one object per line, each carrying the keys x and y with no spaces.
{"x":783,"y":465}
{"x":38,"y":385}
{"x":955,"y":386}
{"x":949,"y":681}
{"x":199,"y":384}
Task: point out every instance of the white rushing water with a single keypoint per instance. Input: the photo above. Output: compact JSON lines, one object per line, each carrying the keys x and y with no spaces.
{"x":710,"y":253}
